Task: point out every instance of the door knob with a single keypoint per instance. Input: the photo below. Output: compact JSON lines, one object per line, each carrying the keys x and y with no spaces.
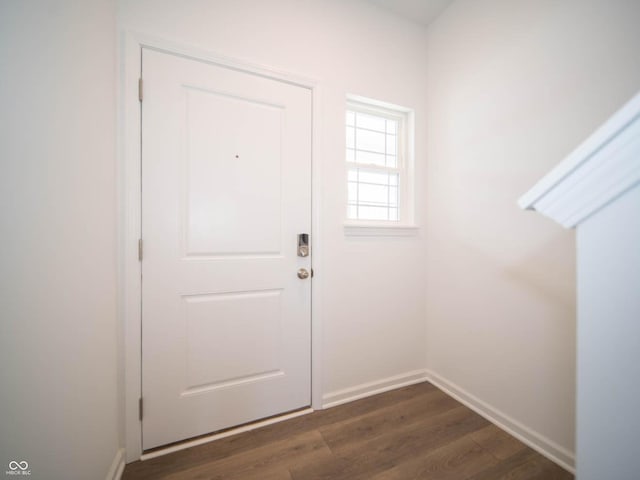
{"x":303,"y":273}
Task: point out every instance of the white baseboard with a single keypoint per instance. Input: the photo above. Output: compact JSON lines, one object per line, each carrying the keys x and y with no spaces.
{"x":363,"y":390}
{"x":541,"y":444}
{"x":117,"y":466}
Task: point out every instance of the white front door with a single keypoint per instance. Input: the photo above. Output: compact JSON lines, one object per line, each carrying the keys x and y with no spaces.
{"x":226,"y":189}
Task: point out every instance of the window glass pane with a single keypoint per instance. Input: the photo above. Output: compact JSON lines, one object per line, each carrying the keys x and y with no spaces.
{"x":351,"y":118}
{"x":370,"y":176}
{"x":370,"y":158}
{"x":393,"y":179}
{"x":393,"y":214}
{"x":373,"y":194}
{"x":392,"y":161}
{"x":371,"y":141}
{"x":393,"y":196}
{"x":373,"y":213}
{"x":352,"y":212}
{"x":391,"y":145}
{"x":392,"y":126}
{"x":351,"y":155}
{"x":353,"y":174}
{"x":352,"y":195}
{"x":370,"y":122}
{"x":351,"y":138}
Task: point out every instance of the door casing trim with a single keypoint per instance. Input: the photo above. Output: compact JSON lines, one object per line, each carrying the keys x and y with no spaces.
{"x":129,"y":224}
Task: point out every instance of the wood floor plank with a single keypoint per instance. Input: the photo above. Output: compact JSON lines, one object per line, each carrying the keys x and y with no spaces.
{"x":274,"y":456}
{"x":498,"y":442}
{"x":415,"y":432}
{"x":366,"y":456}
{"x":524,"y":465}
{"x":540,"y":468}
{"x":423,"y":433}
{"x":385,"y":420}
{"x":455,"y":460}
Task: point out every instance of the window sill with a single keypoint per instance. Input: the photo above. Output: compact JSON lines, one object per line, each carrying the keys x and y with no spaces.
{"x":379,"y":230}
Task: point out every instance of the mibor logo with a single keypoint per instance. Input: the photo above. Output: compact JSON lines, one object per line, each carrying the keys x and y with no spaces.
{"x":18,"y":468}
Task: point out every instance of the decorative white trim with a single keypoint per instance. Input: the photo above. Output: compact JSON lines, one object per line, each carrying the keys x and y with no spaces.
{"x":228,"y":433}
{"x":197,"y":53}
{"x":540,"y":443}
{"x":363,"y":390}
{"x":317,"y":249}
{"x":599,"y":170}
{"x":130,"y":231}
{"x":117,"y":466}
{"x":369,"y":102}
{"x":357,"y":230}
{"x":131,"y":44}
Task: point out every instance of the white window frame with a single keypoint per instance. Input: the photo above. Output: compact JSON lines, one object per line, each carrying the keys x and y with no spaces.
{"x":405,"y":225}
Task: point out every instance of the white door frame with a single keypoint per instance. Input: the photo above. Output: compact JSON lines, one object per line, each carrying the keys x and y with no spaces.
{"x":130,"y":216}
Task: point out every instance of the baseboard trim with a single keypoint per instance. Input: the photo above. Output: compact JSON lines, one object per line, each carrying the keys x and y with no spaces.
{"x":228,"y":433}
{"x":117,"y":466}
{"x":333,"y":399}
{"x":531,"y":438}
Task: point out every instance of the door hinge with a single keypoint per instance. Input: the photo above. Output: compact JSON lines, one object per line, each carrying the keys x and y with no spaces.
{"x":140,"y":89}
{"x":139,"y":249}
{"x":140,"y":408}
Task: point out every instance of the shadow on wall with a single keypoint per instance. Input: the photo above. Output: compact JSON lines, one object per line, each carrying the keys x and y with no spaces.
{"x":538,"y":271}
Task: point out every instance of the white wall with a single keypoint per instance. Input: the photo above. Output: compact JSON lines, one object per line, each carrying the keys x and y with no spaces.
{"x":609,"y":341}
{"x":372,"y":301}
{"x":58,"y":399}
{"x":512,"y":88}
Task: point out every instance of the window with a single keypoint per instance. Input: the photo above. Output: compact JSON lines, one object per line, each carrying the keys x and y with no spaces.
{"x":377,"y":164}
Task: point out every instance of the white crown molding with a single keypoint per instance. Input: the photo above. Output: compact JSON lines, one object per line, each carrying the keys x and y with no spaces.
{"x":603,"y":167}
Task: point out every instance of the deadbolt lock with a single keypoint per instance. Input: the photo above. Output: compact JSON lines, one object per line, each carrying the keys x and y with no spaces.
{"x":303,"y":244}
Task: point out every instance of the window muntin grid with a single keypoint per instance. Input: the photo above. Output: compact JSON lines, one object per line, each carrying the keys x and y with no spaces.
{"x":372,"y":194}
{"x":371,"y":139}
{"x":374,"y":159}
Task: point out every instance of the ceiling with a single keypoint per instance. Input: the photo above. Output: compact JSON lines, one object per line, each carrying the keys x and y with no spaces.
{"x":420,"y":11}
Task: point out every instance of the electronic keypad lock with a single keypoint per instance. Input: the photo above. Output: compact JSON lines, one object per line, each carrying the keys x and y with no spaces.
{"x":303,"y":244}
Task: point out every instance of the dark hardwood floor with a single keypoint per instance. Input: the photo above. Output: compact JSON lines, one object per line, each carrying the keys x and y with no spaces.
{"x":416,"y":432}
